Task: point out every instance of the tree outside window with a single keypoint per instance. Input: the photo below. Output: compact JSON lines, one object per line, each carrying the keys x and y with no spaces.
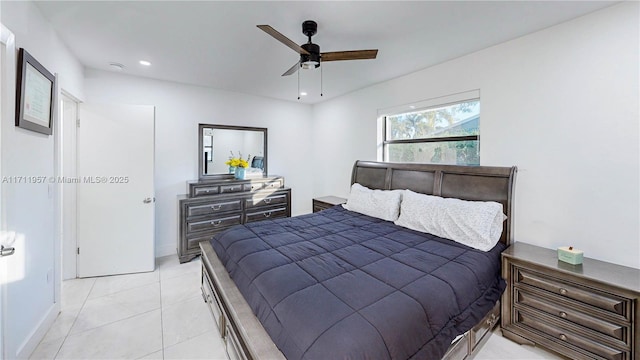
{"x":446,"y":134}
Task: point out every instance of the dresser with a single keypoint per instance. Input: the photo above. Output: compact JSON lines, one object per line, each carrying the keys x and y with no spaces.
{"x":212,"y":206}
{"x":586,"y":311}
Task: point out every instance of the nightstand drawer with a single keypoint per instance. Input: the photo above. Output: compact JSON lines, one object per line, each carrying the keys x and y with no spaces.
{"x":563,"y":310}
{"x":213,"y":223}
{"x":608,"y":302}
{"x":327,"y":202}
{"x":591,"y":349}
{"x":213,"y":207}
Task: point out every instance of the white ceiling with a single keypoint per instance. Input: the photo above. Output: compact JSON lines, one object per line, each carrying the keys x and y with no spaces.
{"x":217,"y":44}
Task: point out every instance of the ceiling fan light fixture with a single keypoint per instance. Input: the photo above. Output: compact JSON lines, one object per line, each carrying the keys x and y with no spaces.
{"x":310,"y":64}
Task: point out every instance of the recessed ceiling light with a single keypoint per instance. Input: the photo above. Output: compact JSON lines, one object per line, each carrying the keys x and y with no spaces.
{"x":303,"y":93}
{"x":116,"y":66}
{"x":145,"y":63}
{"x":411,"y":107}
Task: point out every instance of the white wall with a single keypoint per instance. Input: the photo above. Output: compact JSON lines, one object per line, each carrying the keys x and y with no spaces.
{"x":179,"y":109}
{"x":29,"y":208}
{"x":561,"y":104}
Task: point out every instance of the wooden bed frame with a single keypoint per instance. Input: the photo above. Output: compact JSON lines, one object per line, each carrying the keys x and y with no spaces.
{"x":243,"y":334}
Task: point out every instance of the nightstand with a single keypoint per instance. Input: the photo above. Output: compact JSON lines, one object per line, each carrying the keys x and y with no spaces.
{"x":581,"y":311}
{"x":326,"y":202}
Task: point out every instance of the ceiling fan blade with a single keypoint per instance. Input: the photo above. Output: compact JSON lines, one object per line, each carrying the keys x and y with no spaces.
{"x":293,"y":69}
{"x":283,"y":39}
{"x":349,"y":55}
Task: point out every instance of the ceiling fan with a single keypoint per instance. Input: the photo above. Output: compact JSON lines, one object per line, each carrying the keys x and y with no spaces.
{"x":310,"y":55}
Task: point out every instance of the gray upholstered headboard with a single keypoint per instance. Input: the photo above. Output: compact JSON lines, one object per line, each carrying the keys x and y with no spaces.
{"x":478,"y":183}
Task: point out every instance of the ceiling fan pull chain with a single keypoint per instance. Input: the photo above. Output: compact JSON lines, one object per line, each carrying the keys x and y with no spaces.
{"x":298,"y":85}
{"x":321,"y":81}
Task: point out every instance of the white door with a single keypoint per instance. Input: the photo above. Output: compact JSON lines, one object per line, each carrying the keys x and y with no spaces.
{"x":115,"y":222}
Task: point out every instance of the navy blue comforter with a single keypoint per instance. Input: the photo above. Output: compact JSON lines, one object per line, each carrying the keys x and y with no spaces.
{"x":341,"y":285}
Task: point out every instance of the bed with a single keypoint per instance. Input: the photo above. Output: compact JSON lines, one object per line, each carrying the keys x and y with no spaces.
{"x":340,"y":284}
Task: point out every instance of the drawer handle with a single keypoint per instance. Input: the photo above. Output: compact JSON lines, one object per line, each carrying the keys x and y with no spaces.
{"x":232,"y":188}
{"x":216,"y":223}
{"x":492,"y":320}
{"x":563,"y":291}
{"x":267,"y":201}
{"x":267,"y":214}
{"x":207,"y":191}
{"x":216,"y":207}
{"x":563,"y":337}
{"x":563,"y":314}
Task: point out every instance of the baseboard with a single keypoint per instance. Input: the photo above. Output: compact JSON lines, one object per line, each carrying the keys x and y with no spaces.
{"x":34,"y":338}
{"x":165,"y":250}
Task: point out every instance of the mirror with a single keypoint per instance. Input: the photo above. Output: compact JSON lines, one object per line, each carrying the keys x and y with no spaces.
{"x":218,"y":142}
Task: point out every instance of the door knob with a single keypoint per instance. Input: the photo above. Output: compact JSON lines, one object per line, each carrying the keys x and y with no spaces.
{"x":146,"y":200}
{"x":6,"y":251}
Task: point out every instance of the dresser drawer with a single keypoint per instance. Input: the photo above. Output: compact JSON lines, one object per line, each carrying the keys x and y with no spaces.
{"x":272,"y":213}
{"x":271,"y":184}
{"x":213,"y":207}
{"x":568,"y":310}
{"x":266,"y":200}
{"x":193,"y":240}
{"x":549,"y":328}
{"x":205,"y":190}
{"x":207,"y":224}
{"x":225,"y":189}
{"x":608,"y":302}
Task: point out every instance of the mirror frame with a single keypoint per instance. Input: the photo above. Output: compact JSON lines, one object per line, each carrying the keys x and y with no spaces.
{"x":202,"y":176}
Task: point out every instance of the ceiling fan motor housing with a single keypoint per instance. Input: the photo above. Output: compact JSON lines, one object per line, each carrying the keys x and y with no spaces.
{"x":309,"y":28}
{"x":314,"y":54}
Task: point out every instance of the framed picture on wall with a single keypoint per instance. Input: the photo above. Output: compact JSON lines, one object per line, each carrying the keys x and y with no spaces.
{"x":35,"y":97}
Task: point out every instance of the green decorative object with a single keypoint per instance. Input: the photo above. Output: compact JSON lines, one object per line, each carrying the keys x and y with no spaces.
{"x":570,"y":255}
{"x":232,"y":169}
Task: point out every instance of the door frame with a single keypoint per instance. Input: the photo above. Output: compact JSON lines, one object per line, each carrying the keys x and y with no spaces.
{"x":68,"y":205}
{"x":8,"y":71}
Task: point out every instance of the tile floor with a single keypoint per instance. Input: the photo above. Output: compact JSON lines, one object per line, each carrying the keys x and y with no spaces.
{"x":161,"y":315}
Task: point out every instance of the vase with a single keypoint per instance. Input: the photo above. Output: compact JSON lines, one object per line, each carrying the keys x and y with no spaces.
{"x":240,"y":172}
{"x":232,"y":169}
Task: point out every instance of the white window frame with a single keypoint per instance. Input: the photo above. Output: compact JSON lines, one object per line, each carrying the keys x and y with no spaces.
{"x":423,"y":105}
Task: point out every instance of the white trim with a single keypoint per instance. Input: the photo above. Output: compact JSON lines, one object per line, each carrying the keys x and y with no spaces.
{"x":33,"y":339}
{"x":7,"y":71}
{"x":429,"y":103}
{"x":68,"y":130}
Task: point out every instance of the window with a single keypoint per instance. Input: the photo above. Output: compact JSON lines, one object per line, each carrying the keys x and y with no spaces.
{"x":445,"y":134}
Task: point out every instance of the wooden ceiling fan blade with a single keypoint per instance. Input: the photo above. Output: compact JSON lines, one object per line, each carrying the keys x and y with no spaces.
{"x":293,"y":69}
{"x":283,"y":39}
{"x":349,"y":55}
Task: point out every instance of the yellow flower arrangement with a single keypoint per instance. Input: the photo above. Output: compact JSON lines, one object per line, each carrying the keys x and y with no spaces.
{"x":237,"y":161}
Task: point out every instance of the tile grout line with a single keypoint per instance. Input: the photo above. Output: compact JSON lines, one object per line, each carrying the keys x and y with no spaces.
{"x":161,"y":312}
{"x":131,"y":288}
{"x":75,"y":318}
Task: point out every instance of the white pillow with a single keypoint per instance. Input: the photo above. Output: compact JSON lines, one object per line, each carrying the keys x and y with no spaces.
{"x":382,"y":204}
{"x":477,"y":224}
